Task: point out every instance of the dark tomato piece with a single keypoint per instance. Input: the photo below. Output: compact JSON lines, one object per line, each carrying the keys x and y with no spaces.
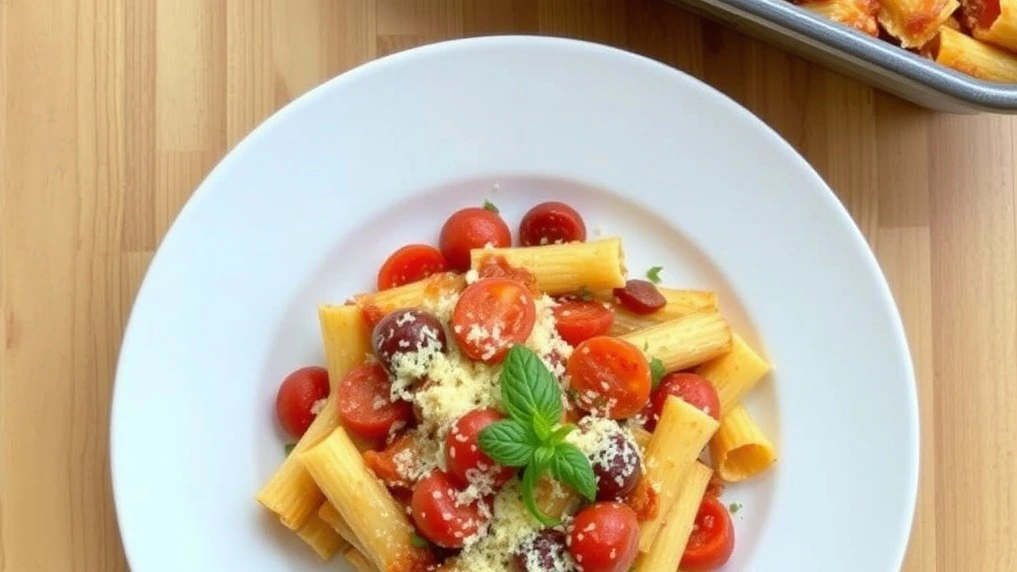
{"x":551,"y":223}
{"x":410,"y":263}
{"x":384,"y":465}
{"x":580,"y":320}
{"x":467,"y":463}
{"x":604,"y":537}
{"x":712,"y":540}
{"x":300,"y":394}
{"x":644,"y":500}
{"x":407,"y":331}
{"x":365,"y":405}
{"x":471,"y":228}
{"x":616,"y":468}
{"x":694,"y":389}
{"x":610,"y":377}
{"x":493,"y":266}
{"x":437,"y":515}
{"x":491,"y":316}
{"x":540,"y":552}
{"x":640,"y":297}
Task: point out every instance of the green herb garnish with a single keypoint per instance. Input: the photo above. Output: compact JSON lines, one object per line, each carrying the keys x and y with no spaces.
{"x":491,"y":206}
{"x":418,"y":541}
{"x":657,"y":371}
{"x":653,"y":274}
{"x":734,"y":507}
{"x":585,"y":294}
{"x":532,"y":436}
{"x":289,"y":448}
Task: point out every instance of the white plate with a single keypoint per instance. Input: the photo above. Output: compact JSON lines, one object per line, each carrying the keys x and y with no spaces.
{"x":306,"y":207}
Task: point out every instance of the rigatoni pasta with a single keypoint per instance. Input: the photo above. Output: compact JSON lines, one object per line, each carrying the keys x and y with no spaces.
{"x":973,"y":57}
{"x":503,"y":404}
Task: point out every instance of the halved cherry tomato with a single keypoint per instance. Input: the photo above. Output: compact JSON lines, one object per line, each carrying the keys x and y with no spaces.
{"x":471,"y":228}
{"x":299,"y":395}
{"x":712,"y":540}
{"x":492,"y":266}
{"x":365,"y":406}
{"x":610,"y":377}
{"x":604,"y":537}
{"x":437,"y":515}
{"x":384,"y":466}
{"x":580,"y":320}
{"x":410,"y":263}
{"x":694,"y":389}
{"x":466,"y":463}
{"x":491,"y":316}
{"x":550,"y":223}
{"x":640,"y":297}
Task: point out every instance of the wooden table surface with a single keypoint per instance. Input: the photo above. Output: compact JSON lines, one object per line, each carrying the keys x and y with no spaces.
{"x":113,"y":111}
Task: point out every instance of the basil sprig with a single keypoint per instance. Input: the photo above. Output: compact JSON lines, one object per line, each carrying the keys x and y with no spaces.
{"x":532,"y":436}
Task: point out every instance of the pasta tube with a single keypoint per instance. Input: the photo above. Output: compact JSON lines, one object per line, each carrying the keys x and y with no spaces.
{"x":684,"y":342}
{"x":680,"y":303}
{"x":995,"y":22}
{"x":564,"y":268}
{"x":681,"y":434}
{"x":291,"y":493}
{"x":734,"y":373}
{"x":423,"y":292}
{"x":956,"y":50}
{"x":321,"y":537}
{"x":330,"y":515}
{"x":739,"y":450}
{"x":914,"y":22}
{"x":359,"y":562}
{"x":378,"y":523}
{"x":859,"y":14}
{"x":666,"y":552}
{"x":641,"y":437}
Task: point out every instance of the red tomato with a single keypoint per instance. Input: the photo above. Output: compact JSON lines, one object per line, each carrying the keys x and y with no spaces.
{"x":694,"y":389}
{"x":298,"y":394}
{"x":580,"y":320}
{"x":550,"y":223}
{"x":437,"y":515}
{"x":604,"y":537}
{"x":465,"y":461}
{"x":640,"y":297}
{"x":712,"y":540}
{"x":492,"y":266}
{"x":610,"y":377}
{"x":491,"y":316}
{"x":384,"y":466}
{"x":364,"y":402}
{"x":408,"y":264}
{"x":471,"y":228}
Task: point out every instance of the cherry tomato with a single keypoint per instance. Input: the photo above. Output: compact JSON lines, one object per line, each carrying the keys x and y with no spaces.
{"x":691,"y":388}
{"x":712,"y":540}
{"x":493,"y":266}
{"x":410,"y":263}
{"x":640,"y":297}
{"x":466,"y":463}
{"x":551,"y":223}
{"x":491,"y":316}
{"x":616,"y":468}
{"x":604,"y":537}
{"x":580,"y":320}
{"x":540,"y":552}
{"x":404,"y":331}
{"x":437,"y":515}
{"x":610,"y":377}
{"x":384,"y":466}
{"x":365,"y":406}
{"x":298,"y":397}
{"x":471,"y":228}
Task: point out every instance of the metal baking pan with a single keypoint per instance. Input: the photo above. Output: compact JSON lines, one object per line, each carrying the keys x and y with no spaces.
{"x":853,"y":53}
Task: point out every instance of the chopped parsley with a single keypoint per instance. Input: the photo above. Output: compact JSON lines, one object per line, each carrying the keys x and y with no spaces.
{"x":653,"y":274}
{"x":734,"y":507}
{"x":491,"y":206}
{"x":289,"y":448}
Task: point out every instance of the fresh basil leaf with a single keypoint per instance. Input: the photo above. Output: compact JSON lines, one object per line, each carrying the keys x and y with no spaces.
{"x":289,"y":448}
{"x":657,"y":371}
{"x":653,"y":274}
{"x":528,"y":389}
{"x":508,"y":442}
{"x":418,"y":541}
{"x":570,"y":466}
{"x":542,"y":457}
{"x":541,"y":428}
{"x":531,"y":474}
{"x":560,"y":433}
{"x":490,"y":206}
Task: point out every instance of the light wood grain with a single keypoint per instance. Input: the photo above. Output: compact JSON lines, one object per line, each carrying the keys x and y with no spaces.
{"x":112,"y":111}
